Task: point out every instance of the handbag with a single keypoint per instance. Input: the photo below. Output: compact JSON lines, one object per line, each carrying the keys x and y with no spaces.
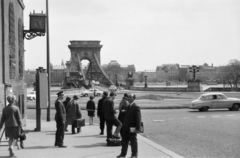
{"x":22,"y":135}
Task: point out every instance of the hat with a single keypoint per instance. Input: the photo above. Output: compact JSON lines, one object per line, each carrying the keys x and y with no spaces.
{"x":75,"y":97}
{"x":113,"y":94}
{"x":60,"y":93}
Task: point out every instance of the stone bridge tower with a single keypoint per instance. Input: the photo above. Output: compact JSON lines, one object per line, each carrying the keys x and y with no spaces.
{"x":87,"y":50}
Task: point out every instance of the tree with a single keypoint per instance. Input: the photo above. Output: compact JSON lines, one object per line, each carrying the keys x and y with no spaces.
{"x":230,"y":74}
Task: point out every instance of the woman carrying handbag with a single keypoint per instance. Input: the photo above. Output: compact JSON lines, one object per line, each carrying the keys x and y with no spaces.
{"x":12,"y":119}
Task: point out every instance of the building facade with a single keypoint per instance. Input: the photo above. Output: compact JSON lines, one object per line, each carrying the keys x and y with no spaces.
{"x":117,"y":72}
{"x":12,"y":54}
{"x":58,"y":73}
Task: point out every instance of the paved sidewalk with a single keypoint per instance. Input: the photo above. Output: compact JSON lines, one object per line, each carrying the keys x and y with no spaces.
{"x":87,"y":144}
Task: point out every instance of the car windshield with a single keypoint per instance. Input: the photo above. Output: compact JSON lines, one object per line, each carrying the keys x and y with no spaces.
{"x":31,"y":92}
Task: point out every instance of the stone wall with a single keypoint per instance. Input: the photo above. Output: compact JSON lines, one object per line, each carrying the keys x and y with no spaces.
{"x":160,"y":89}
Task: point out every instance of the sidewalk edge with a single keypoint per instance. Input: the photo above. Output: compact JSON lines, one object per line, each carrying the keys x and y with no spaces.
{"x":159,"y":147}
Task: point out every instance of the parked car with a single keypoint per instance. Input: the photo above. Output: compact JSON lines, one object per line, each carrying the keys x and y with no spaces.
{"x":89,"y":92}
{"x":112,"y":88}
{"x":31,"y":95}
{"x":215,"y":101}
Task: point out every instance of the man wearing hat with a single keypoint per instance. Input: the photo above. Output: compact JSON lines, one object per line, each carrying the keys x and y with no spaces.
{"x":60,"y":118}
{"x":109,"y":113}
{"x":100,"y":114}
{"x":74,"y":112}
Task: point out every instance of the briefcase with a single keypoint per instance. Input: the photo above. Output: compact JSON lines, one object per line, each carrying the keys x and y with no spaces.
{"x":79,"y":122}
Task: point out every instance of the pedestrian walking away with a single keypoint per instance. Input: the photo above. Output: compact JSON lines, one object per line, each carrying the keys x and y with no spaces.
{"x":60,"y":118}
{"x":65,"y":103}
{"x":91,"y":109}
{"x":73,"y":113}
{"x":100,"y":114}
{"x":131,"y":126}
{"x":109,"y":113}
{"x":11,"y":117}
{"x":122,"y":109}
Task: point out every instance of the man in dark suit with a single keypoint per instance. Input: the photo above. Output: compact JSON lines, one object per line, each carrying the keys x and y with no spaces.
{"x":100,"y":114}
{"x":131,"y":126}
{"x":60,"y":118}
{"x":109,"y":113}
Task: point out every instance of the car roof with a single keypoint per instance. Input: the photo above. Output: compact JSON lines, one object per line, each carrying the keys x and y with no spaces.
{"x":212,"y":93}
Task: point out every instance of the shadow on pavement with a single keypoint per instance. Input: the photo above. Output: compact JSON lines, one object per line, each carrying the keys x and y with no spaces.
{"x":39,"y":147}
{"x":91,"y":146}
{"x":96,"y":136}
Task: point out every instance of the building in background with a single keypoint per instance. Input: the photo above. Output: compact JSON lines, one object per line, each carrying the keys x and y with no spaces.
{"x":151,"y":76}
{"x":58,"y":73}
{"x":113,"y":69}
{"x":167,"y":72}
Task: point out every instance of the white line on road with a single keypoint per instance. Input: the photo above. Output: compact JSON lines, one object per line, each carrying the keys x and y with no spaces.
{"x":201,"y":117}
{"x":158,"y":120}
{"x":185,"y":118}
{"x":216,"y":116}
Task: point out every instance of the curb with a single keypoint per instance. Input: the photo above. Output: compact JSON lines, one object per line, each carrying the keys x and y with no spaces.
{"x":159,"y":147}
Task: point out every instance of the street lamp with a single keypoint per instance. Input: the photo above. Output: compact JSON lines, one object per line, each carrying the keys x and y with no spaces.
{"x":116,"y":80}
{"x":145,"y":86}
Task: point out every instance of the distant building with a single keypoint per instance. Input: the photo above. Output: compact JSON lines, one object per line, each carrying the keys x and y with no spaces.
{"x":167,"y":72}
{"x":151,"y":76}
{"x":57,"y":74}
{"x":207,"y":73}
{"x":113,"y":69}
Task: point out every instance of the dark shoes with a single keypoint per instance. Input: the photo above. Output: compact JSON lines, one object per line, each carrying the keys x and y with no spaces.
{"x":79,"y":130}
{"x":11,"y":152}
{"x":101,"y":133}
{"x":22,"y":144}
{"x":116,"y":137}
{"x":62,"y":146}
{"x":120,"y":156}
{"x":133,"y":157}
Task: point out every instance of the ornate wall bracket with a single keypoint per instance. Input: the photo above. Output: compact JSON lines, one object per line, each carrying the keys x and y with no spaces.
{"x":30,"y":35}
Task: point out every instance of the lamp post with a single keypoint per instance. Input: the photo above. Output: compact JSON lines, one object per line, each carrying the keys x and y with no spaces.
{"x":48,"y":65}
{"x":145,"y":86}
{"x":116,"y":80}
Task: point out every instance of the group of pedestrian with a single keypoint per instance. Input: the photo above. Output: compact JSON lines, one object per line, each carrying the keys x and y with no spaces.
{"x":127,"y":123}
{"x":66,"y":113}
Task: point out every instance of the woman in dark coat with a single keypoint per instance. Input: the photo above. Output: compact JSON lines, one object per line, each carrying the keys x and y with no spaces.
{"x":91,"y":109}
{"x":12,"y":119}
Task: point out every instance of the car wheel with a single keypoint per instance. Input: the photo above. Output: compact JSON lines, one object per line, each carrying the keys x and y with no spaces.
{"x":98,"y":94}
{"x":85,"y":95}
{"x":205,"y":108}
{"x":235,"y":107}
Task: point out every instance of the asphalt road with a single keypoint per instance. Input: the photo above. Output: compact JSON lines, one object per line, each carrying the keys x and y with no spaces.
{"x":193,"y":134}
{"x":189,"y":133}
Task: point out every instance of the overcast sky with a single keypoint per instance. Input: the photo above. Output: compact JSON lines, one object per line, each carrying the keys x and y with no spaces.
{"x":146,"y":33}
